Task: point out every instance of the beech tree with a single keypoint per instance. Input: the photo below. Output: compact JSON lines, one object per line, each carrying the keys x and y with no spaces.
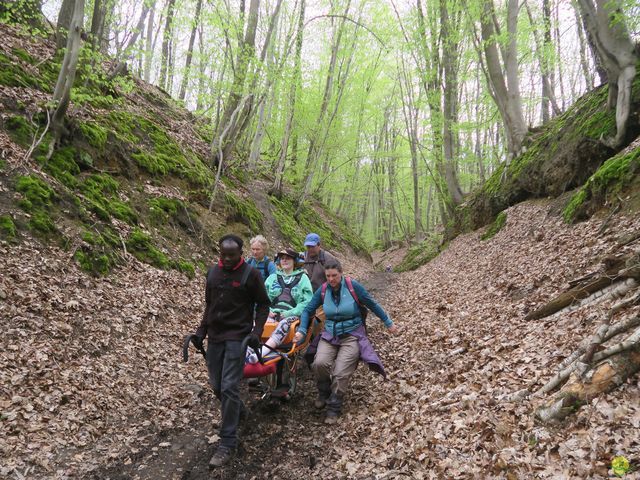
{"x":606,"y":24}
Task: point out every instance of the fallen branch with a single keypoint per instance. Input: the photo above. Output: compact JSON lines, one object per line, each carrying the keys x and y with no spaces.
{"x":615,"y":267}
{"x":568,"y":365}
{"x":606,"y":376}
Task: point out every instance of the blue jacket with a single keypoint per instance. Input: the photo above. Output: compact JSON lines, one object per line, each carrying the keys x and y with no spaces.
{"x":260,"y":266}
{"x":343,"y":316}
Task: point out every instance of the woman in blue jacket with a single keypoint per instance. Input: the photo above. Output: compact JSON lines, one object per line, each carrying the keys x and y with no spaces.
{"x":344,"y":339}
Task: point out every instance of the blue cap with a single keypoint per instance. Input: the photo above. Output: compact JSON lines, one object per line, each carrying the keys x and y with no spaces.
{"x":312,"y":240}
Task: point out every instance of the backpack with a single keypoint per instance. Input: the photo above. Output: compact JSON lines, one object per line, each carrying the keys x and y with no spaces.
{"x":321,"y":259}
{"x":265,"y":267}
{"x":285,"y":296}
{"x":364,"y":311}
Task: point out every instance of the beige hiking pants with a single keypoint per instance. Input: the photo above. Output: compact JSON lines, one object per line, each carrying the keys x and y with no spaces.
{"x":335,"y":364}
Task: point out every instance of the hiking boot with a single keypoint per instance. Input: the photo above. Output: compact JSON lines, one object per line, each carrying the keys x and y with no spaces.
{"x":331,"y":418}
{"x":221,"y":457}
{"x":320,"y":402}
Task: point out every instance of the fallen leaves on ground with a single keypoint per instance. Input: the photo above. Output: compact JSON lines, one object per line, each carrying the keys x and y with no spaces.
{"x":91,"y":372}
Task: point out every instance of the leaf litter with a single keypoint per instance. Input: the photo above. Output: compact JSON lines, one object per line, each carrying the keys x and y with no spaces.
{"x":93,"y":385}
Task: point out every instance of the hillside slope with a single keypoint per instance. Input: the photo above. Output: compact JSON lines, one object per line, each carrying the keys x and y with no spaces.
{"x":131,"y":175}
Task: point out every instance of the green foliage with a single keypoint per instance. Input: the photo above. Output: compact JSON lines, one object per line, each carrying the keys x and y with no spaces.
{"x":185,"y":267}
{"x":165,"y":157}
{"x":62,"y":166}
{"x":243,"y":210}
{"x":421,"y":254}
{"x":20,"y":130}
{"x":614,"y":174}
{"x":7,"y":228}
{"x":163,"y":209}
{"x":37,"y":201}
{"x":12,"y":74}
{"x":100,"y":194}
{"x":495,"y":227}
{"x":94,"y":134}
{"x":141,"y":246}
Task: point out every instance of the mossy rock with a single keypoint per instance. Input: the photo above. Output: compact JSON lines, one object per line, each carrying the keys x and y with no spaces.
{"x":8,"y":229}
{"x":165,"y":157}
{"x":141,"y":246}
{"x":294,"y":230}
{"x":495,"y":227}
{"x":94,"y":134}
{"x":185,"y":267}
{"x":421,"y":254}
{"x":20,"y":130}
{"x":100,"y":196}
{"x":559,"y":156}
{"x":23,"y":55}
{"x":605,"y":184}
{"x":37,"y":194}
{"x":12,"y":74}
{"x":243,"y":210}
{"x":62,"y":166}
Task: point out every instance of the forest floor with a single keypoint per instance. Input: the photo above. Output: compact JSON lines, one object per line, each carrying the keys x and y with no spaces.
{"x":93,"y":385}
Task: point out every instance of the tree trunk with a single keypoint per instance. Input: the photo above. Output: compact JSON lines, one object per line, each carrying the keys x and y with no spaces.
{"x":295,"y":82}
{"x":98,"y":19}
{"x":617,"y":52}
{"x":148,"y":49}
{"x":506,"y":89}
{"x":192,"y":39}
{"x":63,"y":23}
{"x":166,"y":40}
{"x":246,"y":52}
{"x":604,"y":377}
{"x":67,"y":75}
{"x":450,"y":108}
{"x":139,"y":28}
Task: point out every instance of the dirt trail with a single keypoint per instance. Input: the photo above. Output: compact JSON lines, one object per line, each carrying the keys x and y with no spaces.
{"x":278,"y":439}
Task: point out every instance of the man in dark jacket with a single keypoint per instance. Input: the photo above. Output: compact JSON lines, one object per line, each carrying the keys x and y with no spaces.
{"x":233,"y":290}
{"x":315,"y":259}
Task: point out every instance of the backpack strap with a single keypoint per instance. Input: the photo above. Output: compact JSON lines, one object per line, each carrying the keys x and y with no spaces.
{"x":323,"y":291}
{"x":266,"y":266}
{"x":245,"y":275}
{"x":352,"y":291}
{"x":321,"y":257}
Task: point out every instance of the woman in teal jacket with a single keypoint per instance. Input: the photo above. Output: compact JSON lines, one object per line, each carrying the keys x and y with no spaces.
{"x":289,"y":290}
{"x":343,"y":342}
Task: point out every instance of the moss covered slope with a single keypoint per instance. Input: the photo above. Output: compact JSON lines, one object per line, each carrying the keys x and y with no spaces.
{"x":131,"y":176}
{"x":560,"y":156}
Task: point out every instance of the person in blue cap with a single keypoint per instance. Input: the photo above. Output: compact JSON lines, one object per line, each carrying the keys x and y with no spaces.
{"x":315,"y":259}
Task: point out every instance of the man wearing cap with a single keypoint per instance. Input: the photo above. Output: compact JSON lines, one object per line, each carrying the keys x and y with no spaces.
{"x":314,"y":260}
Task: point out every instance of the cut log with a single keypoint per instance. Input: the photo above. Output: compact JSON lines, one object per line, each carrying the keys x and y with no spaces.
{"x":605,"y":332}
{"x":606,"y":376}
{"x":616,"y":267}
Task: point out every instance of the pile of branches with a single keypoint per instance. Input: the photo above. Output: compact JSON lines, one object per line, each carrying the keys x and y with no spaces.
{"x":607,"y":358}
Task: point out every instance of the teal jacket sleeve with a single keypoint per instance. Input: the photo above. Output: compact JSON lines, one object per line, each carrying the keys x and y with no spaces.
{"x":267,"y":285}
{"x":310,"y":310}
{"x":371,"y":304}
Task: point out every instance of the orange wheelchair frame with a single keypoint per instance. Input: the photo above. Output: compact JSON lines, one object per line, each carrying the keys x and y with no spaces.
{"x":277,"y":372}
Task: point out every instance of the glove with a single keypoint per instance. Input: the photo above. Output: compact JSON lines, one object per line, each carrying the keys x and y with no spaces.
{"x":254,"y":342}
{"x":197,"y":342}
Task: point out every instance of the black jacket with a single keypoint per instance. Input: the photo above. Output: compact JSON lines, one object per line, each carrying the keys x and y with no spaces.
{"x":229,"y":309}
